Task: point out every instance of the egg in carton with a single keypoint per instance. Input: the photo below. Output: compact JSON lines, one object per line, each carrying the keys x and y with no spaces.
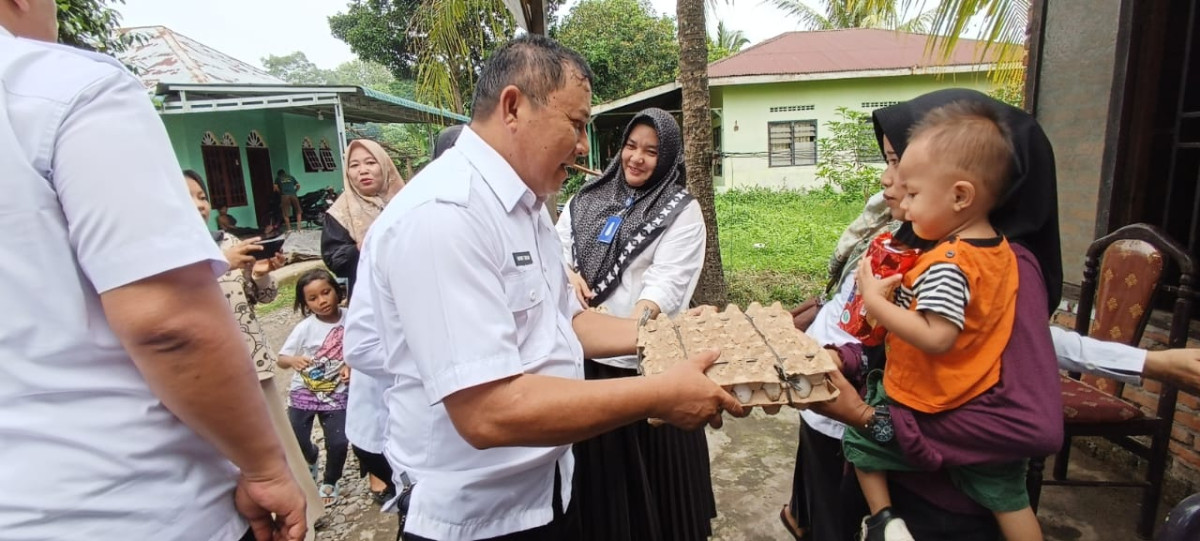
{"x":765,"y":361}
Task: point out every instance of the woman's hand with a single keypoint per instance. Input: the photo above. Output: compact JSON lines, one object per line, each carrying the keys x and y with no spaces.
{"x":263,"y":267}
{"x":582,"y":291}
{"x":804,"y":314}
{"x":848,"y":407}
{"x":241,"y":255}
{"x":344,"y":373}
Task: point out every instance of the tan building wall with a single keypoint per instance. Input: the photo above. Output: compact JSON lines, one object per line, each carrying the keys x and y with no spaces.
{"x":1074,"y":84}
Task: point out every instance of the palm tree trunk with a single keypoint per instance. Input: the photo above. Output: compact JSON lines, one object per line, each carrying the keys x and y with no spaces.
{"x":697,"y":141}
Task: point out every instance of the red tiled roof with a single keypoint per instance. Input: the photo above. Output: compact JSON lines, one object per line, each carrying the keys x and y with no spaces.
{"x":856,"y":49}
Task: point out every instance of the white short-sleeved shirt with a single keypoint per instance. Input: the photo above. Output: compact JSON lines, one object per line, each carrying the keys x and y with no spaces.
{"x":666,"y":272}
{"x":93,"y":200}
{"x":826,"y":331}
{"x":366,"y":413}
{"x":465,"y":270}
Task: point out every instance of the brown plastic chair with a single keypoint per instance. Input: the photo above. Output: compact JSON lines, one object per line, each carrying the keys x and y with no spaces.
{"x":1123,"y":274}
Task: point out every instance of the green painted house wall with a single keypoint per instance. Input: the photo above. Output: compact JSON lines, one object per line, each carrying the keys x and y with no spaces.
{"x":284,"y":134}
{"x":745,"y":111}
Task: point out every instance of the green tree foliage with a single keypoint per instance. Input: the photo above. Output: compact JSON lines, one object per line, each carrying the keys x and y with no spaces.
{"x":848,"y":157}
{"x":408,"y":144}
{"x":378,"y":31}
{"x":363,"y":73}
{"x":92,"y":25}
{"x":1011,"y":92}
{"x":629,"y":46}
{"x":296,"y":68}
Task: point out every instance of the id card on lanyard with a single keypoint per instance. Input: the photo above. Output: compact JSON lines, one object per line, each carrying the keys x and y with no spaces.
{"x":613,"y":224}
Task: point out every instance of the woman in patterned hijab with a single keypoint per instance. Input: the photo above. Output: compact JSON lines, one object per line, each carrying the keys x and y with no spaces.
{"x":646,"y":206}
{"x":637,"y":239}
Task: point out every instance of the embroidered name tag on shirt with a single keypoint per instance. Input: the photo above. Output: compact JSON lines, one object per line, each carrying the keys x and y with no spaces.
{"x":522,"y":258}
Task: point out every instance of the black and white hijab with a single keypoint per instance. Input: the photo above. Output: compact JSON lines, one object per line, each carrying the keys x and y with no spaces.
{"x":655,"y":206}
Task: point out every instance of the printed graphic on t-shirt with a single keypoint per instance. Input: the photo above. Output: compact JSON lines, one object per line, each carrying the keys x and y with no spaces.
{"x":288,"y":185}
{"x":320,"y":387}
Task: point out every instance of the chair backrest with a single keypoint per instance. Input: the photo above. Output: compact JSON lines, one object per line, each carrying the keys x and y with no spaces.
{"x":1123,"y":273}
{"x":1130,"y":270}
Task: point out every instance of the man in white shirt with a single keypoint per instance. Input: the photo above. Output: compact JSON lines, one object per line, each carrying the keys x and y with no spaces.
{"x":479,"y":329}
{"x":127,"y":388}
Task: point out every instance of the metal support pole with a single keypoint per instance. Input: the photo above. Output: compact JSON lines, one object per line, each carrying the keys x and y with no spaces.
{"x":341,"y":127}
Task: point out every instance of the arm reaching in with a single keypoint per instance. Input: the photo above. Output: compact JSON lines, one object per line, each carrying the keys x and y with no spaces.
{"x":181,"y":335}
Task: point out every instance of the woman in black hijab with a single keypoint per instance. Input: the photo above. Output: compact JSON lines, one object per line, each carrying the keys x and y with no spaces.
{"x":1028,"y":216}
{"x":1028,"y":213}
{"x":634,"y":240}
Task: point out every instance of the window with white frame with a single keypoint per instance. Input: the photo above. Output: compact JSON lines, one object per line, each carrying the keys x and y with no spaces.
{"x":793,"y":142}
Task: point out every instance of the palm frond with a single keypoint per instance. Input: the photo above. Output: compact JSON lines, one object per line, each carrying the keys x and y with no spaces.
{"x":920,"y":24}
{"x":445,"y":33}
{"x":1004,"y":24}
{"x":730,"y":40}
{"x":808,"y":17}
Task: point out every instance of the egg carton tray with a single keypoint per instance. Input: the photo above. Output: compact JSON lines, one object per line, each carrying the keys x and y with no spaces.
{"x":765,"y":362}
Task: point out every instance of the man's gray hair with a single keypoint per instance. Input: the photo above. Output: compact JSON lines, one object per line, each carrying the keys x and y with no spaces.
{"x":533,"y":63}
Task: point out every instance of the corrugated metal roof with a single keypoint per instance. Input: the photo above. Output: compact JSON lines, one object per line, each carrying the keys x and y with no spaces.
{"x":165,"y":56}
{"x":857,"y":49}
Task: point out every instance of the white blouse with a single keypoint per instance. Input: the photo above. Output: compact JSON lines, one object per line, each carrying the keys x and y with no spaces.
{"x":666,"y":272}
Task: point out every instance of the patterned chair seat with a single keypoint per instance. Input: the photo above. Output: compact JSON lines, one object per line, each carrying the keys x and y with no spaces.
{"x":1083,"y":403}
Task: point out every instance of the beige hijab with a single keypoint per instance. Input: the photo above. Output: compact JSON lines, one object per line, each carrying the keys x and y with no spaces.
{"x":355,"y":211}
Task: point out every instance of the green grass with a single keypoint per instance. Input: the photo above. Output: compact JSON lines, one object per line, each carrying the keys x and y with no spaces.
{"x":775,"y":246}
{"x":287,"y":296}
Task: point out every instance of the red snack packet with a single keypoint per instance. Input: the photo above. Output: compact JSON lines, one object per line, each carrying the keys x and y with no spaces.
{"x":886,"y":259}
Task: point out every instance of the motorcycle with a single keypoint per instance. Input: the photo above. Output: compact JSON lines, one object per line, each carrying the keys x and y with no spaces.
{"x":314,"y":204}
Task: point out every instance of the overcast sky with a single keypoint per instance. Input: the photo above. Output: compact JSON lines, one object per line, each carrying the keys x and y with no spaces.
{"x":252,"y":29}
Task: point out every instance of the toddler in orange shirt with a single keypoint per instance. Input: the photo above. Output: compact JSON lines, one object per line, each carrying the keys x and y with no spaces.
{"x":951,"y":316}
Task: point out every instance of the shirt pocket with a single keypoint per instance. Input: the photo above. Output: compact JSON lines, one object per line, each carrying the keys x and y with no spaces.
{"x":525,"y":293}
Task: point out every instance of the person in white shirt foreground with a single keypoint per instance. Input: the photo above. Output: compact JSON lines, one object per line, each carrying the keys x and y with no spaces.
{"x":128,"y":389}
{"x":480,"y":330}
{"x":634,"y":241}
{"x":366,"y":413}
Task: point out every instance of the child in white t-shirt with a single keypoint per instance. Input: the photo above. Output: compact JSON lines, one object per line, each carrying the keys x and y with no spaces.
{"x":319,"y":387}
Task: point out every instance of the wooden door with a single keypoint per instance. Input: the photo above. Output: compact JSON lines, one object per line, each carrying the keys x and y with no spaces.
{"x":223,"y":169}
{"x":262,"y":182}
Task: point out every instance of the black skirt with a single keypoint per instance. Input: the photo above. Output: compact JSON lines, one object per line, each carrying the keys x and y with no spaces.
{"x":643,"y":483}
